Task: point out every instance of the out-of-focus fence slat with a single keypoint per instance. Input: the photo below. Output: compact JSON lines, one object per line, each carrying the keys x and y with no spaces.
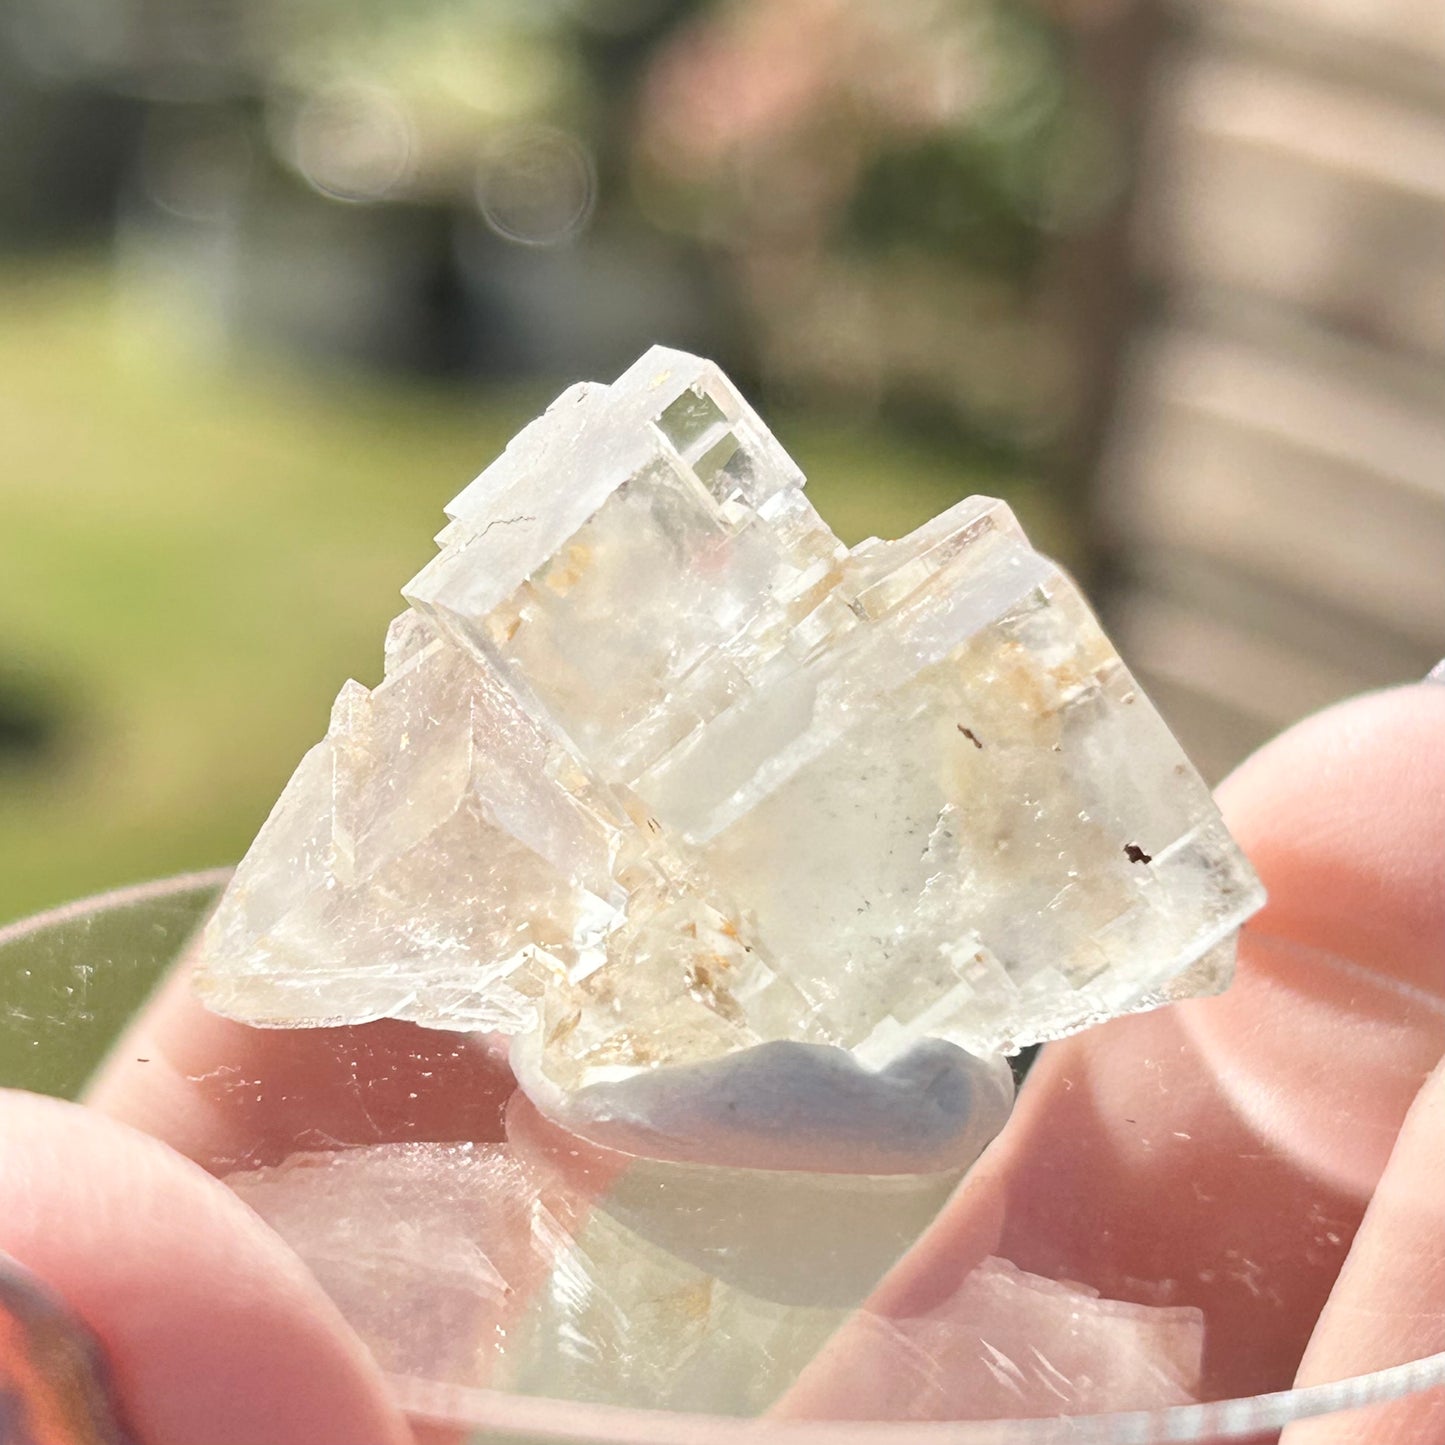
{"x":1273,"y":495}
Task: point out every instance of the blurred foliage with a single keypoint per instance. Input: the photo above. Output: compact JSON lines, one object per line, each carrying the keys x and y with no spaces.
{"x":798,"y":180}
{"x":851,"y":166}
{"x":945,"y":194}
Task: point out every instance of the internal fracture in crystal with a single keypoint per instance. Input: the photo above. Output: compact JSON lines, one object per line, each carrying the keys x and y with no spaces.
{"x":660,"y":772}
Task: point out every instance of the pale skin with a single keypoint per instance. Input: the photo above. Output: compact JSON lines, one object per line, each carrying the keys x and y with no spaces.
{"x":1317,"y":1077}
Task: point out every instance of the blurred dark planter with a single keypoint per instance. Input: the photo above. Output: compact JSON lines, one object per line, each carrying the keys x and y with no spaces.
{"x":404,"y":286}
{"x":66,"y":151}
{"x":592,"y":306}
{"x":268,"y":260}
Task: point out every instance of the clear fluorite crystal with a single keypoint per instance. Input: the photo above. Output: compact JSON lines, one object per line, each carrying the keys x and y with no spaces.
{"x":659,"y":771}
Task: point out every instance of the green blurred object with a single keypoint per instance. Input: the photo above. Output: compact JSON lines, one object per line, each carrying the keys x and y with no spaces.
{"x":198,"y":550}
{"x":72,"y":978}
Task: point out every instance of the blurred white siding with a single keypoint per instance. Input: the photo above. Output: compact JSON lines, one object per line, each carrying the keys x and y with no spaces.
{"x":1274,"y":489}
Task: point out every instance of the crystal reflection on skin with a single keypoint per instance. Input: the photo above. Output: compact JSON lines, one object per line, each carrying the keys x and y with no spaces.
{"x":547,"y":1265}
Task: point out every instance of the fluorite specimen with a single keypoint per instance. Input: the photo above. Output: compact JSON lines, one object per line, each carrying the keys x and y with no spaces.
{"x":660,"y":772}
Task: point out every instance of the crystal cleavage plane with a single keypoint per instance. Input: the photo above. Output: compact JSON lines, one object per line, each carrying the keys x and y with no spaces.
{"x":764,"y":850}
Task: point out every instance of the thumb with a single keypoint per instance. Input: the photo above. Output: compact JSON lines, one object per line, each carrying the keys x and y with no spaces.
{"x":212,"y":1329}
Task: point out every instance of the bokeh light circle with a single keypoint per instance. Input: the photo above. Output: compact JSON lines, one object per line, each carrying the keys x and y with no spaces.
{"x":353,"y":143}
{"x":537,"y":185}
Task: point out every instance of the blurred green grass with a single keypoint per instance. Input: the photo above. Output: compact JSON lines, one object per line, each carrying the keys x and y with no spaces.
{"x":194,"y":556}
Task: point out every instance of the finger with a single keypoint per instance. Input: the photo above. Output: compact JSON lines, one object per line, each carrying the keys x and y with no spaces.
{"x":1346,"y":813}
{"x":213,"y":1330}
{"x":1388,"y":1305}
{"x":1218,"y":1155}
{"x":1339,"y":1012}
{"x":230,"y":1096}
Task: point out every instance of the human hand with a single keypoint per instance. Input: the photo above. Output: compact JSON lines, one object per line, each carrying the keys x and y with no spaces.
{"x":216,"y":1333}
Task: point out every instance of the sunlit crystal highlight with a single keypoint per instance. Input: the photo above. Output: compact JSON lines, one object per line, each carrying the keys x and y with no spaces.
{"x":659,"y":771}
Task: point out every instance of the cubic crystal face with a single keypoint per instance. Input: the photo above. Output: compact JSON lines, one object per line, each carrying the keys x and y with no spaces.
{"x":660,"y":771}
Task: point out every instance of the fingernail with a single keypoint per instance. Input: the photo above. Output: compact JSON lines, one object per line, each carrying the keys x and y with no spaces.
{"x":54,"y":1385}
{"x":1436,"y":673}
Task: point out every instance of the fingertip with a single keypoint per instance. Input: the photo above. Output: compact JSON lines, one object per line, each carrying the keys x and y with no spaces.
{"x":213,"y":1330}
{"x":1388,"y":1304}
{"x":1342,"y":976}
{"x":1344,"y":818}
